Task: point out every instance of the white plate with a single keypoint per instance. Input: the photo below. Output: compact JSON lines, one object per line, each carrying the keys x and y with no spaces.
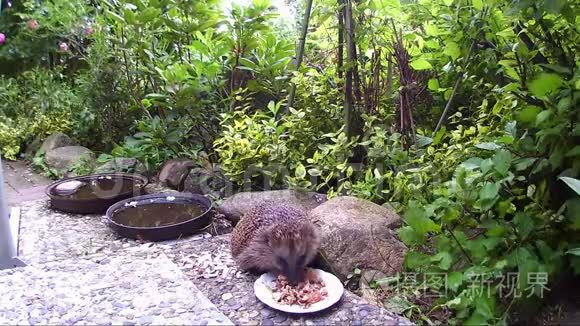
{"x":264,"y":285}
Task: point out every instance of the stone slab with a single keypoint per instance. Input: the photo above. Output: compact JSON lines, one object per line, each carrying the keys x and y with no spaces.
{"x":137,"y":285}
{"x":21,"y":183}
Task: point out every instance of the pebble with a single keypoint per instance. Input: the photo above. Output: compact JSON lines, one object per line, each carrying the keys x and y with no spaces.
{"x":280,"y":318}
{"x":266,"y":312}
{"x":363,"y":313}
{"x":234,"y":305}
{"x":227,"y":296}
{"x":267,"y":322}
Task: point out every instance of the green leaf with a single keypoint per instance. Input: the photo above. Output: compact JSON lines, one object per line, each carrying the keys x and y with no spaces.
{"x":414,"y":259}
{"x":528,"y":114}
{"x":486,"y":165}
{"x":488,"y":146}
{"x":488,"y":195}
{"x":545,"y":84}
{"x":416,"y":217}
{"x":489,"y":191}
{"x":454,"y":280}
{"x":472,"y":163}
{"x":572,"y":183}
{"x":431,"y":29}
{"x":452,"y":49}
{"x":524,"y":224}
{"x":448,"y":2}
{"x":408,"y":235}
{"x":574,"y":151}
{"x":542,"y":116}
{"x":477,"y":4}
{"x":149,"y":14}
{"x":423,"y":141}
{"x":314,"y":172}
{"x":300,"y":171}
{"x":574,"y":251}
{"x":433,"y":84}
{"x":502,"y":161}
{"x":444,"y":258}
{"x":421,"y":64}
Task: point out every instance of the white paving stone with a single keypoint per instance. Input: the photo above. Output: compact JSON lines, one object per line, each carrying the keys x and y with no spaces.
{"x":138,"y":285}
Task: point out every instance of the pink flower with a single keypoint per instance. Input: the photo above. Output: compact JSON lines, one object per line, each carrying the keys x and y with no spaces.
{"x":2,"y":38}
{"x":63,"y":46}
{"x":33,"y":24}
{"x":88,"y":30}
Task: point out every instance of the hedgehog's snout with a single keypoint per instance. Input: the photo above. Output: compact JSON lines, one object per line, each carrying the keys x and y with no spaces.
{"x":292,"y":267}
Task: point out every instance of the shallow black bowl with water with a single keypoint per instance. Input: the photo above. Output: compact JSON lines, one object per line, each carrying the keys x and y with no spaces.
{"x":94,"y":194}
{"x":161,"y":216}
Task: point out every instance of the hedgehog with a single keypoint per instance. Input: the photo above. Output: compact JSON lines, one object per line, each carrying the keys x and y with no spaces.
{"x":275,"y":237}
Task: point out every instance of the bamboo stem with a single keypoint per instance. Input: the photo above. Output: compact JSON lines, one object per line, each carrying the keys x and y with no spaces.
{"x":300,"y":52}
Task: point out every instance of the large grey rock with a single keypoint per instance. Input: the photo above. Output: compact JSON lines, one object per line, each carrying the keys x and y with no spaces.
{"x":174,"y":172}
{"x":63,"y":158}
{"x":121,"y":164}
{"x":357,"y":233}
{"x":54,"y":141}
{"x":237,"y":205}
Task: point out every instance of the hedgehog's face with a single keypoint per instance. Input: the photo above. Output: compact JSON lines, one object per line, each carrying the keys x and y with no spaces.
{"x":293,"y":248}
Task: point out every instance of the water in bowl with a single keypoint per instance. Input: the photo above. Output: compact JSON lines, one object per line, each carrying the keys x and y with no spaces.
{"x":157,"y":214}
{"x":103,"y":187}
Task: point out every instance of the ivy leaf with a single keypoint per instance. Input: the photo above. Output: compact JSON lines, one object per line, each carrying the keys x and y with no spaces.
{"x":421,"y":64}
{"x":452,"y":49}
{"x":414,"y":259}
{"x":408,"y":235}
{"x":572,"y":183}
{"x":488,"y":195}
{"x":545,"y":84}
{"x":502,"y":161}
{"x":486,"y":165}
{"x":444,"y":258}
{"x":489,"y":191}
{"x":416,"y":217}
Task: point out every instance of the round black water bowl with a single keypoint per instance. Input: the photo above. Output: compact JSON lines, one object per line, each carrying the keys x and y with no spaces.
{"x":101,"y":191}
{"x":161,"y":216}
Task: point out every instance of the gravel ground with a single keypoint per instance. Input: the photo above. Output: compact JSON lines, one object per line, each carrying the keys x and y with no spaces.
{"x":209,"y":264}
{"x":138,"y":285}
{"x":48,"y":235}
{"x":65,"y":241}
